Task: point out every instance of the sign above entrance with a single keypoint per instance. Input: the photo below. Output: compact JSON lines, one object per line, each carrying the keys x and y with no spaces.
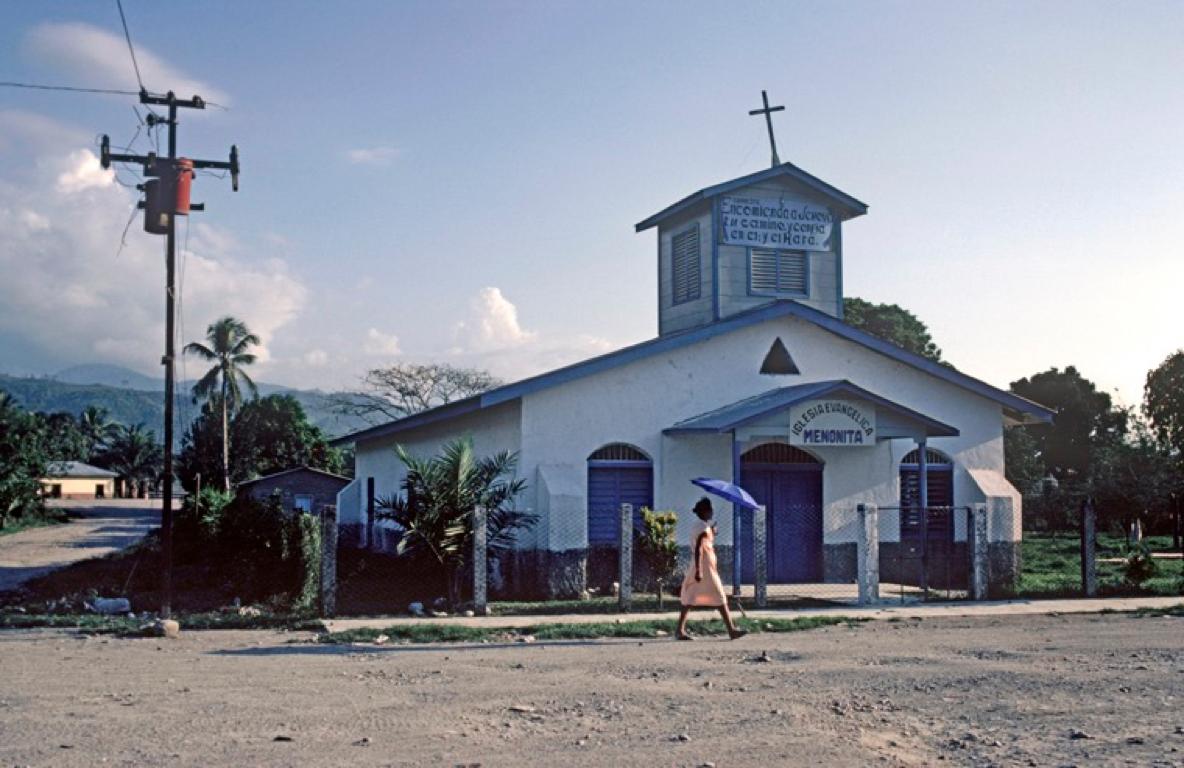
{"x":769,"y":222}
{"x":826,"y":423}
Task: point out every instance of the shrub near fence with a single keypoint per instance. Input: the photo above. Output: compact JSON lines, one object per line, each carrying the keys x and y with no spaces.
{"x":261,"y":551}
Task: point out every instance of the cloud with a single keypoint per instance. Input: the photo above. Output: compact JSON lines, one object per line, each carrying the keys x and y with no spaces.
{"x":99,"y":58}
{"x":375,"y":156}
{"x":382,"y":344}
{"x":492,"y":324}
{"x":491,"y":337}
{"x":70,"y":293}
{"x":316,"y":358}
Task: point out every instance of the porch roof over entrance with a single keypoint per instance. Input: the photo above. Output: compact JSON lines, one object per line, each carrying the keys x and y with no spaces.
{"x":895,"y":420}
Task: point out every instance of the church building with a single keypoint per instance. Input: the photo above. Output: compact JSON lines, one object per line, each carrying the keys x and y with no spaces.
{"x":753,"y":377}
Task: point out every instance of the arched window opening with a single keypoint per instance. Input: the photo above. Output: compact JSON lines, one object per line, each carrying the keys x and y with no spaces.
{"x":618,"y":473}
{"x":940,"y":497}
{"x":778,"y":453}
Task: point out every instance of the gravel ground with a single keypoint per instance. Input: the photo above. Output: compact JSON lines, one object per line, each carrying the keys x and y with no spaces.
{"x":1080,"y":690}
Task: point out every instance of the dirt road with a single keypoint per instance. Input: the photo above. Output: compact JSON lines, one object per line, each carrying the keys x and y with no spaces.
{"x":103,"y":527}
{"x":1045,"y":691}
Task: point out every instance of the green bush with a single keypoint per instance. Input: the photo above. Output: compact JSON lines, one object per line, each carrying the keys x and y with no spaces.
{"x":658,"y":548}
{"x":1140,"y":565}
{"x":262,"y":552}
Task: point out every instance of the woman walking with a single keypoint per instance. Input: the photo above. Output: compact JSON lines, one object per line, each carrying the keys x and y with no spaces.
{"x":701,"y":586}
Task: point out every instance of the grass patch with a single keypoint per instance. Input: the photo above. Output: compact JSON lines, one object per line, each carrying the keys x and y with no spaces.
{"x":1052,"y":567}
{"x":127,"y":627}
{"x":431,"y":632}
{"x":45,"y":518}
{"x":642,"y":603}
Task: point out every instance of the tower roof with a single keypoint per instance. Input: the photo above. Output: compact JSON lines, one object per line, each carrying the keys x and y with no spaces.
{"x":849,"y":206}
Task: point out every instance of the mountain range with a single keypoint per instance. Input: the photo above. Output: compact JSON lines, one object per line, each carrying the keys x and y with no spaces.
{"x":133,"y":398}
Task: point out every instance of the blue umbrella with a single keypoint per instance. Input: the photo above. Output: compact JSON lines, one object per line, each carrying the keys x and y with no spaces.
{"x":728,"y":491}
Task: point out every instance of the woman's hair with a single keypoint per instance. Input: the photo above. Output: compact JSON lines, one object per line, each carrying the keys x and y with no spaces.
{"x":702,"y":506}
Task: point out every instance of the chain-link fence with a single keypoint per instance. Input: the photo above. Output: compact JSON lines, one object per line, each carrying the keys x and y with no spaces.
{"x":924,"y":553}
{"x":1074,"y":546}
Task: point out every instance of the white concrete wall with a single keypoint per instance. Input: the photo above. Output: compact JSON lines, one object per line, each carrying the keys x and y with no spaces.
{"x":79,"y":487}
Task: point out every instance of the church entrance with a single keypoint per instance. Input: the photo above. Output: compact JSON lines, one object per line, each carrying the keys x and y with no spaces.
{"x":788,"y":482}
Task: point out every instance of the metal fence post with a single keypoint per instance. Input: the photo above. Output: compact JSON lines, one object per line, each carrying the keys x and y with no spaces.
{"x":625,"y":550}
{"x":760,"y":559}
{"x":1089,"y":537}
{"x":977,"y":538}
{"x":328,"y":561}
{"x":480,"y":561}
{"x":867,"y":554}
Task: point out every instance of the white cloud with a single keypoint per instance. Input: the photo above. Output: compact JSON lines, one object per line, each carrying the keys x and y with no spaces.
{"x":376,"y":156}
{"x":100,"y":59}
{"x":70,"y":292}
{"x":492,"y":324}
{"x":491,"y":337}
{"x":380,"y":344}
{"x":316,"y":358}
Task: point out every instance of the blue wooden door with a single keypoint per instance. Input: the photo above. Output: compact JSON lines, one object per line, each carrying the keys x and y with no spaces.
{"x":792,"y":496}
{"x":608,"y":488}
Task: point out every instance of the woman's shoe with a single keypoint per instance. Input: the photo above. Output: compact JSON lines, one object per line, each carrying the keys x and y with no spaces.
{"x":736,"y":634}
{"x":683,"y":637}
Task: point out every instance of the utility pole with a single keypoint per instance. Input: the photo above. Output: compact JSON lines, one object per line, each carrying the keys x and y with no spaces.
{"x":166,"y":196}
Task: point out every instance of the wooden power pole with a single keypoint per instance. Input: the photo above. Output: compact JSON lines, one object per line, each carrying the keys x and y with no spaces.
{"x":162,"y":205}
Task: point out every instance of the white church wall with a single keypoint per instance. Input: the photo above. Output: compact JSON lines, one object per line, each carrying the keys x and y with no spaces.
{"x":635,"y":402}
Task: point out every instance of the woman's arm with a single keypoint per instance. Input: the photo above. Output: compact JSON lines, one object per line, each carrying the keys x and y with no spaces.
{"x":698,"y":549}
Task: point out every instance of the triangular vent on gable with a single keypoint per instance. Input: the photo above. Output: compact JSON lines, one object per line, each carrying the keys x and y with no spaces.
{"x":778,"y":361}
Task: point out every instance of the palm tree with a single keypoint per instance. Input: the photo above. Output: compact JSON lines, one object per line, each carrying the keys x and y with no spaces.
{"x":436,"y":506}
{"x":137,"y":457}
{"x":98,"y":428}
{"x":229,"y":339}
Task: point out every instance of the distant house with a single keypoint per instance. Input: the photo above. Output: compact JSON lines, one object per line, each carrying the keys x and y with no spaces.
{"x":78,"y":480}
{"x":302,"y":488}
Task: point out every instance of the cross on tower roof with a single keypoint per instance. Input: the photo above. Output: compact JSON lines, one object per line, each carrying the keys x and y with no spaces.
{"x":768,"y":113}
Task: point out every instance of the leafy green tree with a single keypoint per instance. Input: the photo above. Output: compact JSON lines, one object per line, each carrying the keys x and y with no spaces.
{"x":891,"y":323}
{"x":1133,"y":479}
{"x":1086,"y":421}
{"x":268,"y":435}
{"x":273,"y":434}
{"x":1022,"y":464}
{"x":436,"y":505}
{"x":62,"y":438}
{"x":23,"y":461}
{"x":1163,"y":402}
{"x":229,"y":343}
{"x":98,"y":430}
{"x":138,"y":459}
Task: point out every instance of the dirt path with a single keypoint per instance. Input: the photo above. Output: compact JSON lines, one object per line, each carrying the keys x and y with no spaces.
{"x":104,"y":527}
{"x":1042,"y":691}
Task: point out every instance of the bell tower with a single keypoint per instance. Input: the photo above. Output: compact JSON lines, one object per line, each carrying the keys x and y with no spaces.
{"x":773,"y":235}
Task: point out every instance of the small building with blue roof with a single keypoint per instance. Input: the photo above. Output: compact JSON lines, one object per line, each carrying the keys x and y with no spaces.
{"x":753,"y":377}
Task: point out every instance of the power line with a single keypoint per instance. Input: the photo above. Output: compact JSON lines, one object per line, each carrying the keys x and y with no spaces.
{"x":73,"y":89}
{"x":130,"y":48}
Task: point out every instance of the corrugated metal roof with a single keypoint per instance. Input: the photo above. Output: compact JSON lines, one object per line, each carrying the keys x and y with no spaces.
{"x":77,"y":469}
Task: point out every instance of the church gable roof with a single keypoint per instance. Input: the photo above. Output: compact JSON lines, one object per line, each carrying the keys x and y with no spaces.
{"x":851,"y":206}
{"x":1017,"y":408}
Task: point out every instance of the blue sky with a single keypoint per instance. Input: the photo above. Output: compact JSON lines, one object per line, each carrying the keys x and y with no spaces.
{"x":459,"y":181}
